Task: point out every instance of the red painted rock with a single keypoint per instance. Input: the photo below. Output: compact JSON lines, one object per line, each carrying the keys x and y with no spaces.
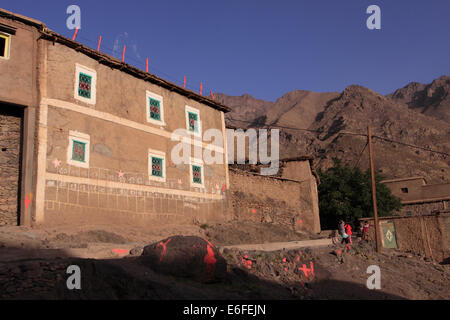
{"x":186,"y":256}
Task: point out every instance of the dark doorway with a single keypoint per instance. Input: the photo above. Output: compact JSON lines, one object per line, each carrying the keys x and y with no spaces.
{"x":11,"y":131}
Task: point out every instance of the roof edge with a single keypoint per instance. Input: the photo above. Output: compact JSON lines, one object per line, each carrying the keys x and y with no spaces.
{"x":112,"y":62}
{"x":403,"y":179}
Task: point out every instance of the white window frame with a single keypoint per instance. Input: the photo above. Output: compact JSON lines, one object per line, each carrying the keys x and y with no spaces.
{"x":199,"y":163}
{"x":7,"y":44}
{"x":81,"y":137}
{"x":148,"y":95}
{"x":90,"y":72}
{"x":157,"y":154}
{"x":193,"y":110}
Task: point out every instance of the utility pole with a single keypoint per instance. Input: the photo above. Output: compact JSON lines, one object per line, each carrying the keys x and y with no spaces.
{"x":374,"y":191}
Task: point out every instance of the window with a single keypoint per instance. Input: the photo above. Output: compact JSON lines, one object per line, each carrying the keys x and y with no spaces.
{"x":155,"y":109}
{"x":85,"y":84}
{"x":404,"y":190}
{"x":78,"y":150}
{"x":193,"y":123}
{"x":157,"y":165}
{"x":197,"y":174}
{"x":5,"y":40}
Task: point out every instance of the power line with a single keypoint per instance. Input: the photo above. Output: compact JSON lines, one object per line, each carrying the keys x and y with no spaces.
{"x":412,"y":146}
{"x":359,"y":158}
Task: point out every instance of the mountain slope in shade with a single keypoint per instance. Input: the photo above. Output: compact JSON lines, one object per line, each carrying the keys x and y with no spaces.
{"x":431,"y":99}
{"x":330,"y":115}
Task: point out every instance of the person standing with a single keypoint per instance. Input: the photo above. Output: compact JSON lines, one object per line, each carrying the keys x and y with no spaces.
{"x":341,"y":228}
{"x":365,"y":231}
{"x":348,"y":231}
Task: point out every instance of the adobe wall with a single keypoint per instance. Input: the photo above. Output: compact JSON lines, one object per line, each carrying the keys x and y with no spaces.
{"x":426,"y":235}
{"x":436,"y":191}
{"x":280,"y":201}
{"x":17,"y":81}
{"x":414,"y":189}
{"x":120,"y":138}
{"x":418,"y":190}
{"x":119,"y":93}
{"x":301,"y":171}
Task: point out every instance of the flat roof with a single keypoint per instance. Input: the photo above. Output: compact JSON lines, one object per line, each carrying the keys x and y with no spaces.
{"x":403,"y":179}
{"x":111,"y":61}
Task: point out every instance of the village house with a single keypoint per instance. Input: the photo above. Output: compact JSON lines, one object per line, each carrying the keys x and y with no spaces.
{"x":418,"y":197}
{"x":289,"y":198}
{"x":87,"y":138}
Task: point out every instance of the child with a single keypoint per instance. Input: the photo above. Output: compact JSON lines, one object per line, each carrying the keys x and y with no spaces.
{"x":365,"y":230}
{"x":348,"y":231}
{"x":344,"y":235}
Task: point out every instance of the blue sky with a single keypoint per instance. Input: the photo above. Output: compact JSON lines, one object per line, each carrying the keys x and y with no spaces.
{"x":264,"y":48}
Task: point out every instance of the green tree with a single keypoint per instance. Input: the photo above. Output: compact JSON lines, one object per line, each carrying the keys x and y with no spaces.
{"x":345,"y":193}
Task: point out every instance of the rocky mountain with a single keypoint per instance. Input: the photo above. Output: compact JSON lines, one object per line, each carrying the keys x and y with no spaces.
{"x":432,"y":99}
{"x":296,"y":108}
{"x":337,"y":122}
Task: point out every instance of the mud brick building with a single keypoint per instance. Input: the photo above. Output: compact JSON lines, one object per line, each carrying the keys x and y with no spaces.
{"x":418,"y":197}
{"x":87,"y":138}
{"x":289,"y":198}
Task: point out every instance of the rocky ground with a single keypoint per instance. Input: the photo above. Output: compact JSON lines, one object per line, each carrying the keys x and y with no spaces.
{"x":33,"y":264}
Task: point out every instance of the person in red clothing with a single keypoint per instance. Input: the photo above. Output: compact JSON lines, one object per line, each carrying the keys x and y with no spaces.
{"x":348,"y":230}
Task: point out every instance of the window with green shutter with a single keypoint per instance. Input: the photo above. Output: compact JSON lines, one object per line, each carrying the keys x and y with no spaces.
{"x":155,"y":109}
{"x":193,"y":121}
{"x":85,"y":85}
{"x":157,"y":167}
{"x":196,"y":174}
{"x":78,"y":151}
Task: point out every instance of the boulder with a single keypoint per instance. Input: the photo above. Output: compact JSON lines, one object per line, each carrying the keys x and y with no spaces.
{"x":186,"y":256}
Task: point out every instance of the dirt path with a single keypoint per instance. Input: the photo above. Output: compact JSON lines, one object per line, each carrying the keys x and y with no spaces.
{"x":276,"y":246}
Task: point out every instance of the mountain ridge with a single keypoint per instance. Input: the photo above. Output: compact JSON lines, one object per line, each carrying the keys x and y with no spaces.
{"x":330,"y":115}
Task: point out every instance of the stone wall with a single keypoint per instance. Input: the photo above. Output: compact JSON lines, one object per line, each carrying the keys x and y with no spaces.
{"x":10,"y":143}
{"x":268,"y":199}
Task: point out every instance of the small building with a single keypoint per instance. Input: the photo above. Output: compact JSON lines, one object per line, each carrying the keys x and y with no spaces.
{"x":87,"y":138}
{"x":418,"y":197}
{"x":289,"y":198}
